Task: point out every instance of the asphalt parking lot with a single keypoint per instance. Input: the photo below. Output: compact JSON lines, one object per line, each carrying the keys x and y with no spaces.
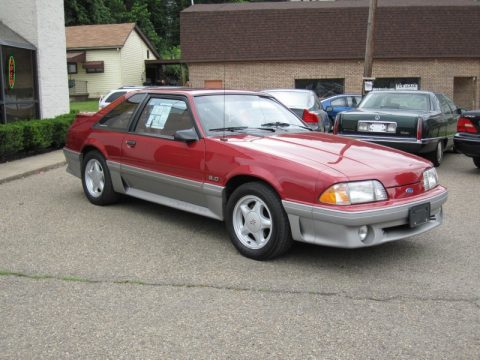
{"x":138,"y":280}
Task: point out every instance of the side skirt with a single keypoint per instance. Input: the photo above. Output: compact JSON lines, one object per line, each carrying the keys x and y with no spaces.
{"x":213,"y":194}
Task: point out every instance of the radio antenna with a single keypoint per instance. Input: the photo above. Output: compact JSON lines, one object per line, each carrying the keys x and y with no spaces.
{"x":224,"y":138}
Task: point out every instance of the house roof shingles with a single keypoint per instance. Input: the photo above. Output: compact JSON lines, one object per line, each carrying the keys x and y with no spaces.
{"x":104,"y":36}
{"x":98,"y":36}
{"x":329,"y":30}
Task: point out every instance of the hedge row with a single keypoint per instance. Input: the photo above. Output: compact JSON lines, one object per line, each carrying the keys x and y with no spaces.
{"x":32,"y":136}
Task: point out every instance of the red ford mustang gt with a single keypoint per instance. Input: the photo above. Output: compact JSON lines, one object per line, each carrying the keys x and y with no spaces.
{"x":244,"y":158}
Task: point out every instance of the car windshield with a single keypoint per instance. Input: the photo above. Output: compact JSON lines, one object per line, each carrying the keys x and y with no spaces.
{"x":392,"y":100}
{"x":294,"y":99}
{"x":241,"y":112}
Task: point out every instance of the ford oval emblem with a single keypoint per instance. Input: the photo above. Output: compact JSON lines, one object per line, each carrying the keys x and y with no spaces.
{"x":409,"y":191}
{"x":377,"y":117}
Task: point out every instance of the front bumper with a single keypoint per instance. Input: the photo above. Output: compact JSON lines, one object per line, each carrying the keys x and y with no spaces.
{"x":323,"y":226}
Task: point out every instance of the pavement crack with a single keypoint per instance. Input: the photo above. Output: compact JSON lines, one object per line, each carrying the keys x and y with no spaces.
{"x":475,"y":301}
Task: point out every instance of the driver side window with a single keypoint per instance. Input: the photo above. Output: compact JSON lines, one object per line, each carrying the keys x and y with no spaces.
{"x":164,"y":117}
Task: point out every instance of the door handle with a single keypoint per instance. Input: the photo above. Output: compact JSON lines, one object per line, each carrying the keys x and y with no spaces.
{"x":131,"y":143}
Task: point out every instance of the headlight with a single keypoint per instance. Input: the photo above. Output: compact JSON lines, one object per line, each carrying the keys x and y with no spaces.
{"x":357,"y":192}
{"x":430,"y":179}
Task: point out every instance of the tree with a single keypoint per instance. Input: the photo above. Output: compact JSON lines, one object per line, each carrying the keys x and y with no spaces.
{"x":83,"y":12}
{"x":159,"y":20}
{"x":140,"y":14}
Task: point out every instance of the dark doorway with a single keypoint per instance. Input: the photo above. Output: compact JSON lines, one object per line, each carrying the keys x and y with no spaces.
{"x":323,"y":87}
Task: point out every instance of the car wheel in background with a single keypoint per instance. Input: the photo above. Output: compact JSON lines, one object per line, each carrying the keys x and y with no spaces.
{"x":257,"y":223}
{"x":476,"y":161}
{"x":96,"y":180}
{"x":436,"y":156}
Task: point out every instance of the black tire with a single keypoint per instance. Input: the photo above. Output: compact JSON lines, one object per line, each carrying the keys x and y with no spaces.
{"x":476,"y":161}
{"x":106,"y":195}
{"x":279,"y":237}
{"x":436,"y":156}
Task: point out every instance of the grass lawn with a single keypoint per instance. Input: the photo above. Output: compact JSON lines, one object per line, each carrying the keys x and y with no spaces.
{"x":89,"y":105}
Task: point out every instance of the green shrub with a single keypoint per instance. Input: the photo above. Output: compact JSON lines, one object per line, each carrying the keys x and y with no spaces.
{"x":59,"y":130}
{"x":34,"y":135}
{"x":11,"y":139}
{"x":37,"y":135}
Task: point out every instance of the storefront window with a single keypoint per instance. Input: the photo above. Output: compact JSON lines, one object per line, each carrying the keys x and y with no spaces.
{"x":18,"y":74}
{"x":20,"y":111}
{"x":18,"y":94}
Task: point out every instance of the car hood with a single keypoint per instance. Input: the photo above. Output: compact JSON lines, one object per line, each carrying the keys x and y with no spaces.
{"x":355,"y":160}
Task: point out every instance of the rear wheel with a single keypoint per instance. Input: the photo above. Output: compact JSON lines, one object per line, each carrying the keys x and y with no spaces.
{"x":257,"y":223}
{"x":476,"y":161}
{"x":96,"y":180}
{"x":436,"y":156}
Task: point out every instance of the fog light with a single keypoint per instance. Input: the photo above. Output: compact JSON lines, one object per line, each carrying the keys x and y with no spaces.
{"x":363,"y":233}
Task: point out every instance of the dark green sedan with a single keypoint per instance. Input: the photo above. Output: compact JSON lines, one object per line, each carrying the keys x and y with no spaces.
{"x":419,"y":122}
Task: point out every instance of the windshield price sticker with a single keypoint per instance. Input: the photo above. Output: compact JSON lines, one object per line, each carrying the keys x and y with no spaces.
{"x":159,"y":116}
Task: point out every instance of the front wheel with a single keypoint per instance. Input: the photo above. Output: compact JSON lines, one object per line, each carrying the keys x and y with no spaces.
{"x":257,"y":223}
{"x":96,"y":180}
{"x":476,"y":161}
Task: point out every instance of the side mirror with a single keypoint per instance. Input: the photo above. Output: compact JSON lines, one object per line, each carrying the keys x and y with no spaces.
{"x":460,"y":111}
{"x":329,"y":109}
{"x":188,"y":135}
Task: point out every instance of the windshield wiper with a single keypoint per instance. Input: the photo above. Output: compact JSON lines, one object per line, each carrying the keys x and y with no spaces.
{"x":284,"y":124}
{"x":231,"y":128}
{"x":240,"y":128}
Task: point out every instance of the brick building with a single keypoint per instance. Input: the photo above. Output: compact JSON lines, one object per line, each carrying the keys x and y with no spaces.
{"x":424,"y":44}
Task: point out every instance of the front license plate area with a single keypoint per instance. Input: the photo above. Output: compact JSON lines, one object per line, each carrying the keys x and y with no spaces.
{"x":418,"y":215}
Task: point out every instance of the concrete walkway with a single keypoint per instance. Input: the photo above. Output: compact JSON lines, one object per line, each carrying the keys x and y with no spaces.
{"x":31,"y":165}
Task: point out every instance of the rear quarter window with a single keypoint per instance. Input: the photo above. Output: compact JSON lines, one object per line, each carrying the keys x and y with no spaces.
{"x":119,"y":117}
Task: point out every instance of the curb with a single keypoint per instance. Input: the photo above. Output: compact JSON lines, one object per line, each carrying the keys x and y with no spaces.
{"x":32,"y":172}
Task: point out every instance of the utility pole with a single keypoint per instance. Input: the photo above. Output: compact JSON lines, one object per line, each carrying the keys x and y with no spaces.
{"x":370,"y":45}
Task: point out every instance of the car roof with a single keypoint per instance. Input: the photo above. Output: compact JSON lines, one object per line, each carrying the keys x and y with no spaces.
{"x":289,"y":90}
{"x":195,"y":92}
{"x":402,"y":91}
{"x":340,"y":95}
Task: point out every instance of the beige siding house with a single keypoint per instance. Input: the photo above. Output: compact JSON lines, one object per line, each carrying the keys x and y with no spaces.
{"x":101,"y":58}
